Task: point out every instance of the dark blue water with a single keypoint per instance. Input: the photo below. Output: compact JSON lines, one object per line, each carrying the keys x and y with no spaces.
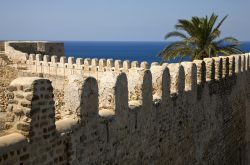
{"x":133,"y":51}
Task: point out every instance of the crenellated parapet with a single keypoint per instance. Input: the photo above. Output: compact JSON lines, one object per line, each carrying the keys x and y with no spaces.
{"x":118,"y":112}
{"x":167,"y":80}
{"x":95,"y":67}
{"x":85,"y":67}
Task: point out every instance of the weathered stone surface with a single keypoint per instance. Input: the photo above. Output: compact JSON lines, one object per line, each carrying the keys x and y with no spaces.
{"x":9,"y":118}
{"x":66,"y":124}
{"x":11,"y":139}
{"x":11,"y":88}
{"x":18,"y":112}
{"x":19,"y":96}
{"x":10,"y":108}
{"x":23,"y":127}
{"x":106,"y":113}
{"x":144,"y":117}
{"x":72,"y":96}
{"x":12,"y":101}
{"x":29,"y":97}
{"x":10,"y":95}
{"x":26,"y":104}
{"x":135,"y":105}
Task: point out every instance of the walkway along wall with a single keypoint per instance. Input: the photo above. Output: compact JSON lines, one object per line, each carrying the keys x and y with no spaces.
{"x":188,"y":113}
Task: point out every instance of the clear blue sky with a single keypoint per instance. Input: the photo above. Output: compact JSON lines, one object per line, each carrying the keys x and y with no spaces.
{"x":113,"y":20}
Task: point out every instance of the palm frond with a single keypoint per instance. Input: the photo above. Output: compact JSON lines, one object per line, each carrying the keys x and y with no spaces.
{"x":175,"y":49}
{"x":228,"y":40}
{"x":232,"y":49}
{"x":213,"y":18}
{"x":221,"y":22}
{"x":185,"y":25}
{"x":170,"y":54}
{"x":172,"y":46}
{"x":176,"y":34}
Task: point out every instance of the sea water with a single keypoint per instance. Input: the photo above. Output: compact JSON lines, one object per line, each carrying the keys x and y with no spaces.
{"x":132,"y":51}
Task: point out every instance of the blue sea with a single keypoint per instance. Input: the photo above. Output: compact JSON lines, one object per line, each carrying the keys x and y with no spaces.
{"x":133,"y":51}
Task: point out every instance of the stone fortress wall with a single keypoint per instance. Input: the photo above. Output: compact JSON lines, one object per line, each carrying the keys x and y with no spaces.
{"x":125,"y":113}
{"x":57,"y":69}
{"x":18,"y":50}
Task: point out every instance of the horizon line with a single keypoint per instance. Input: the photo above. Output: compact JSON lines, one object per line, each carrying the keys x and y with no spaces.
{"x":42,"y":40}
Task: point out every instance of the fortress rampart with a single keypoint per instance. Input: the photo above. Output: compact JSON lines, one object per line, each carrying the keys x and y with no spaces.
{"x":18,"y":50}
{"x":58,"y":69}
{"x":124,"y":113}
{"x":68,"y":66}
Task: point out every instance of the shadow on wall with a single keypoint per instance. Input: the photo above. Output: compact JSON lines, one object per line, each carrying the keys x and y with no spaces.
{"x":43,"y":48}
{"x":2,"y":47}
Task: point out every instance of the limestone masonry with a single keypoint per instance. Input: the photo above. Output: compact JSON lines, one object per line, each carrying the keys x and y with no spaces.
{"x":18,"y":50}
{"x":105,"y":112}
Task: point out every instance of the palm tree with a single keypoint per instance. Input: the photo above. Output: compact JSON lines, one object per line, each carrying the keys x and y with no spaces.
{"x":199,"y":40}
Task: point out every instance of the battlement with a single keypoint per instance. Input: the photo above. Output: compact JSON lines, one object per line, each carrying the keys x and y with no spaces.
{"x":129,"y":114}
{"x":87,"y":67}
{"x":64,"y":67}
